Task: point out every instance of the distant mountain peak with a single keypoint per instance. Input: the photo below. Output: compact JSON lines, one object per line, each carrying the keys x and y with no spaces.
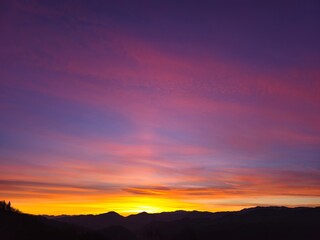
{"x":112,"y":213}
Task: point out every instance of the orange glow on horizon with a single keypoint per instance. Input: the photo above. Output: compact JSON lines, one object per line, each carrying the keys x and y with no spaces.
{"x":127,"y":205}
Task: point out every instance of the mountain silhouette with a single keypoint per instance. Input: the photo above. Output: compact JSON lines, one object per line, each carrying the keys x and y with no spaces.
{"x":133,"y":221}
{"x":94,"y":222}
{"x":252,"y":223}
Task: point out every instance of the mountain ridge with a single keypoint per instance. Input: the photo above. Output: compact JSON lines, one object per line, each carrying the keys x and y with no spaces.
{"x":175,"y":211}
{"x":262,"y":223}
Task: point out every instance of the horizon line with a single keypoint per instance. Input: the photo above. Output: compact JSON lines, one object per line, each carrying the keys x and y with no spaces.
{"x":178,"y":210}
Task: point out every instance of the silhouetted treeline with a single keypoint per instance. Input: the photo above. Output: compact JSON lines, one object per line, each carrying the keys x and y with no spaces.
{"x":15,"y":225}
{"x":4,"y":206}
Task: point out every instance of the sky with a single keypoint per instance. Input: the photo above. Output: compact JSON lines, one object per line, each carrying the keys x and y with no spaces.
{"x":155,"y":106}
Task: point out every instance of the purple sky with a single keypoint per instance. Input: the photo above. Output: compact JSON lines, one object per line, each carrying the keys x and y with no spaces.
{"x":159,"y":105}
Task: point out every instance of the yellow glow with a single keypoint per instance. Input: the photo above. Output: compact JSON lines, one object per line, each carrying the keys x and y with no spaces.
{"x":124,"y":205}
{"x":133,"y":204}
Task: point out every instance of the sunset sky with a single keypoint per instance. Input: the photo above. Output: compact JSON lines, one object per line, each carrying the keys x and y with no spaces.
{"x":155,"y":106}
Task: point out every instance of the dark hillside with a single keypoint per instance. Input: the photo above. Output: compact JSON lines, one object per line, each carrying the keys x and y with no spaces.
{"x":261,"y":223}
